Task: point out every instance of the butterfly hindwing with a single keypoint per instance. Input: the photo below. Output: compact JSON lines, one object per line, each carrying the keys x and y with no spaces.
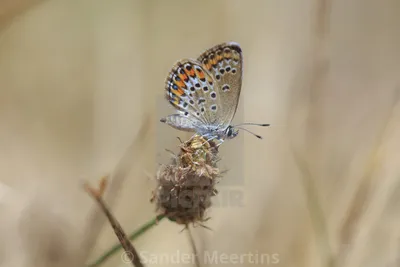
{"x":190,"y":89}
{"x":225,"y":63}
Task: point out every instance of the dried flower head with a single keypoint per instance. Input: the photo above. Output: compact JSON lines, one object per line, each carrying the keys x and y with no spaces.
{"x":185,"y":186}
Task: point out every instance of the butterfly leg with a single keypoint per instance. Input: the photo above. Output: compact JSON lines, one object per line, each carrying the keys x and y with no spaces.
{"x":191,"y":138}
{"x":221,"y":141}
{"x":211,"y":138}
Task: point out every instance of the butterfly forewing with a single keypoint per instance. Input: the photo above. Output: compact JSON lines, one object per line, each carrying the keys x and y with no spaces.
{"x":224,"y":62}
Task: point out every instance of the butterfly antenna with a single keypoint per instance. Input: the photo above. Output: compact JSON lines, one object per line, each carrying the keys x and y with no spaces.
{"x":250,"y":123}
{"x":256,"y":135}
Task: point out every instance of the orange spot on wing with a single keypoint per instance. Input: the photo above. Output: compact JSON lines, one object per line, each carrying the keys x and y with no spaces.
{"x":183,"y":77}
{"x":190,"y":73}
{"x":180,"y":91}
{"x":227,"y":55}
{"x":177,"y":93}
{"x":200,"y":74}
{"x":180,"y":84}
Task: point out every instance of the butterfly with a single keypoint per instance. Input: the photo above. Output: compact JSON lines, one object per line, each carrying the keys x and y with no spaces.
{"x":205,"y":92}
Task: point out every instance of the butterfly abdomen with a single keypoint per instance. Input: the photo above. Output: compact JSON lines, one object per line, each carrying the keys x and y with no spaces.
{"x":180,"y":122}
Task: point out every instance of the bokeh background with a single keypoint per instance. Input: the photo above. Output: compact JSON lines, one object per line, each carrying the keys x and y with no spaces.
{"x":81,"y":87}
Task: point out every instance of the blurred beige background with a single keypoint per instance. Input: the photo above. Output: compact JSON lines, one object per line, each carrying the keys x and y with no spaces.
{"x":78,"y":79}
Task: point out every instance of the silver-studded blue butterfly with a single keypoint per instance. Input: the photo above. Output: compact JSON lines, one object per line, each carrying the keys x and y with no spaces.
{"x":205,"y":92}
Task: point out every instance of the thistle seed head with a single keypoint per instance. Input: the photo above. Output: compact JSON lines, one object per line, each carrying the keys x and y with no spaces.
{"x":186,"y":185}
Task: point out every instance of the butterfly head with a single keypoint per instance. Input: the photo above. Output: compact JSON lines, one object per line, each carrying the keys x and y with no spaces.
{"x":231,"y":132}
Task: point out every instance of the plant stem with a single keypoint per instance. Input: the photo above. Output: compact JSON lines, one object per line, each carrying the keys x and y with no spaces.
{"x":136,"y":234}
{"x":193,"y":245}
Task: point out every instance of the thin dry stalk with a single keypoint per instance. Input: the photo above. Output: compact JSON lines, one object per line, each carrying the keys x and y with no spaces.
{"x":129,"y":160}
{"x":351,"y":208}
{"x":319,"y":71}
{"x":119,"y":232}
{"x":193,"y":245}
{"x":319,"y":68}
{"x":11,"y":9}
{"x":316,"y":213}
{"x":377,"y":200}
